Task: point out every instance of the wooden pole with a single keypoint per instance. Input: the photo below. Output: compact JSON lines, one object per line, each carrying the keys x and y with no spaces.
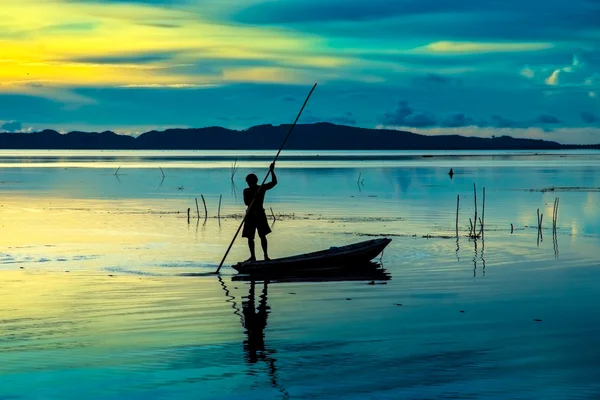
{"x":475,"y":199}
{"x":197,"y":209}
{"x":483,"y":213}
{"x":205,"y":212}
{"x":457,"y":204}
{"x":266,"y":176}
{"x":557,"y":204}
{"x":219,"y":212}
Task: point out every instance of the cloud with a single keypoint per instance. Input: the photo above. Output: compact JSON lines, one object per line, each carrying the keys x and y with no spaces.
{"x":527,"y":72}
{"x":435,"y":79}
{"x":457,"y":120}
{"x":499,"y":121}
{"x":143,"y":58}
{"x":547,"y":119}
{"x":452,"y":47}
{"x":506,"y":15}
{"x":589,"y":117}
{"x":553,"y":78}
{"x":404,"y":115}
{"x":142,"y":2}
{"x":11,"y":126}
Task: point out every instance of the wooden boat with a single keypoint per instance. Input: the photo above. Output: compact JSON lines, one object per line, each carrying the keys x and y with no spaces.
{"x":332,"y":259}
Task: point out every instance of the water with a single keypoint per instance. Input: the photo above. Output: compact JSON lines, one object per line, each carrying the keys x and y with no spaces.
{"x":97,"y":302}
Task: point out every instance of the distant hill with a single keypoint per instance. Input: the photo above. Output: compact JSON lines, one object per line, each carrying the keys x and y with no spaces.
{"x":320,"y":136}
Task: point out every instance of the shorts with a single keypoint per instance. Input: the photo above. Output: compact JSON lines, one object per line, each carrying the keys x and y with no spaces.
{"x":256,"y":222}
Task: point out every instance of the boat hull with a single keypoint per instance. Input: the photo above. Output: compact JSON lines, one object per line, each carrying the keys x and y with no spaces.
{"x":333,"y":259}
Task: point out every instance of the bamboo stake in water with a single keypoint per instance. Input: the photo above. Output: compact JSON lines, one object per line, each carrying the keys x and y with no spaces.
{"x":197,"y":209}
{"x":554,"y":215}
{"x":205,"y":212}
{"x":482,"y":220}
{"x":457,"y":204}
{"x":475,"y":199}
{"x":264,"y":180}
{"x":219,"y":212}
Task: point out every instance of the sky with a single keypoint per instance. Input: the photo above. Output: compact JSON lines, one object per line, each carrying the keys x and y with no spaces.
{"x":526,"y":68}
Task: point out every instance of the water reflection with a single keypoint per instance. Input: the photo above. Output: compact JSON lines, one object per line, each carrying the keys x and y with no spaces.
{"x":254,"y":321}
{"x":254,"y":318}
{"x":477,"y":255}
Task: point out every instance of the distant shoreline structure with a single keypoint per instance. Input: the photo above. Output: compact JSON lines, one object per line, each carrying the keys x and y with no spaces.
{"x":317,"y":136}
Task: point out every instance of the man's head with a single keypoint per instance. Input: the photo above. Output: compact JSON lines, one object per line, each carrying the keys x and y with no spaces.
{"x":252,"y":180}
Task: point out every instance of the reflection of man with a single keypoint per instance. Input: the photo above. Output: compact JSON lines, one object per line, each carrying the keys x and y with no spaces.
{"x":255,"y":324}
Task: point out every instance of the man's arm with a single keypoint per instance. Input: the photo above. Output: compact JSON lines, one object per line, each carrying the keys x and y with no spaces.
{"x":273,"y":182}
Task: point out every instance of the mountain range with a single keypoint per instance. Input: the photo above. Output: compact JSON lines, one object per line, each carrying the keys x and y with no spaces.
{"x":318,"y":136}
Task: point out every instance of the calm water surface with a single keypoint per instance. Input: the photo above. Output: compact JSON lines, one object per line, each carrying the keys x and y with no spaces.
{"x":97,"y":299}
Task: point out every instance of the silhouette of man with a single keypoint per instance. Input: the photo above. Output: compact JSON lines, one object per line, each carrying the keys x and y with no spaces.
{"x":256,"y":219}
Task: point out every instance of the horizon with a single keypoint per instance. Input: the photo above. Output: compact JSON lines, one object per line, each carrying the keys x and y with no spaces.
{"x":299,"y":124}
{"x":132,"y":66}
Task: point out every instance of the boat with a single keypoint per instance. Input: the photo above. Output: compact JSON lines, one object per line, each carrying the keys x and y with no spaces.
{"x":333,"y":259}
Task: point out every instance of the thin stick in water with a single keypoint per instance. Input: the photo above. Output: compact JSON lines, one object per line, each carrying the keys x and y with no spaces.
{"x":273,"y":214}
{"x":188,"y":215}
{"x":117,"y":171}
{"x":205,"y":212}
{"x":483,"y":212}
{"x":197,"y":209}
{"x":457,"y":204}
{"x":219,"y":212}
{"x":161,"y":171}
{"x":557,"y":204}
{"x":511,"y":228}
{"x":475,"y":199}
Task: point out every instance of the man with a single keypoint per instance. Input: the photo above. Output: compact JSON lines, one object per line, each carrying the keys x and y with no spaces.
{"x":256,"y":219}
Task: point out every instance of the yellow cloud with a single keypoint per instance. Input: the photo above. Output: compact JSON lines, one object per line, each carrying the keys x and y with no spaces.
{"x":552,"y":80}
{"x":449,"y":47}
{"x":76,"y":48}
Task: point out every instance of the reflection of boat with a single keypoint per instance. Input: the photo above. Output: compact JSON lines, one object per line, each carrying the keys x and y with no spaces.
{"x":254,"y":319}
{"x":333,"y":259}
{"x":365,"y":272}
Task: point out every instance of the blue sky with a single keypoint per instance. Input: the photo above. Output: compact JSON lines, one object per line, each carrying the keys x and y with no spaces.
{"x":526,"y":68}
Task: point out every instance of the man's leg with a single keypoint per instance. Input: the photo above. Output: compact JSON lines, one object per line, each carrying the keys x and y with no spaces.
{"x":263,"y":243}
{"x":251,"y":247}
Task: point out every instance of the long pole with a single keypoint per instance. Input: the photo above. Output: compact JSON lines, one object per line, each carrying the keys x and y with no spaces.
{"x":266,"y":176}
